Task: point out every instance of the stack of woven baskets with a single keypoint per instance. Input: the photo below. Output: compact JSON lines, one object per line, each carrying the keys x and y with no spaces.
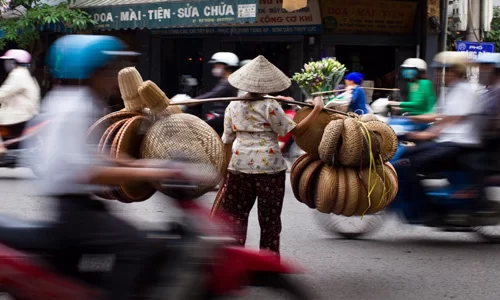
{"x":149,"y":128}
{"x":346,"y":169}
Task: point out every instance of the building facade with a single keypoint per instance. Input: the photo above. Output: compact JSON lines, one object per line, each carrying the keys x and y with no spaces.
{"x":178,"y":38}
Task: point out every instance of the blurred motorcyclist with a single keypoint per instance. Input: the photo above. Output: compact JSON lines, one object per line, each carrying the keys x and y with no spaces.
{"x":87,"y":66}
{"x":20,"y":93}
{"x":421,"y":96}
{"x":224,"y":64}
{"x":487,"y":161}
{"x":455,"y":131}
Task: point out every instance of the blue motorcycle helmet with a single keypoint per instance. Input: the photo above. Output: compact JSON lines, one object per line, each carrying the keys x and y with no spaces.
{"x":79,"y":56}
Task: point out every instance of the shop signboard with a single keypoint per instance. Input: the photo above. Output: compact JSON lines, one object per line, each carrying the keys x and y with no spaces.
{"x":170,"y":13}
{"x":368,"y":16}
{"x":271,"y":19}
{"x":474,"y":49}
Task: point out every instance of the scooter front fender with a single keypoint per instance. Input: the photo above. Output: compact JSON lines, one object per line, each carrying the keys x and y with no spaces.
{"x":237,"y":264}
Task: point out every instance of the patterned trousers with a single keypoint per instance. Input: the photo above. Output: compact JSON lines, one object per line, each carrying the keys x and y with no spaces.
{"x":239,"y":198}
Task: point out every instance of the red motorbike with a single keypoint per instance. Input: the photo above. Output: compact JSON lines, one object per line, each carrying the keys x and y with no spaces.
{"x":287,"y":145}
{"x":194,"y":260}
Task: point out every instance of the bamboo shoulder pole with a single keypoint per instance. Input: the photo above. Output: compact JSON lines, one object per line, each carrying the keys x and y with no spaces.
{"x":229,"y":99}
{"x":343,"y":90}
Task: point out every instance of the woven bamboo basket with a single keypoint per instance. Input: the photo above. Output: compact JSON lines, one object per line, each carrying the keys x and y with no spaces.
{"x":342,"y":190}
{"x":129,"y":81}
{"x":184,"y":136}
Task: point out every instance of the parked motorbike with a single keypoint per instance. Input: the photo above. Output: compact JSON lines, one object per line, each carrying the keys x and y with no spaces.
{"x":193,"y":259}
{"x":13,"y":136}
{"x":450,"y":203}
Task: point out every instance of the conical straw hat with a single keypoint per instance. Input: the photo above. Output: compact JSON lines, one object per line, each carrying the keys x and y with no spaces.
{"x":326,"y":189}
{"x":296,"y":170}
{"x":129,"y":81}
{"x":306,"y":180}
{"x":352,"y":191}
{"x":153,"y":97}
{"x":260,"y":76}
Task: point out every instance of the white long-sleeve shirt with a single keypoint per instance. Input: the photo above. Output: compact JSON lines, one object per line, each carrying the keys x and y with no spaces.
{"x":19,"y":97}
{"x":66,"y":155}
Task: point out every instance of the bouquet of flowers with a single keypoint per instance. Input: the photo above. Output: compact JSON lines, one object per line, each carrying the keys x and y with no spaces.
{"x":4,"y":5}
{"x":318,"y":76}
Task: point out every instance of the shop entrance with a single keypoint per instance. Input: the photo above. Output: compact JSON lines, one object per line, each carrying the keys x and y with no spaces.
{"x":180,"y":57}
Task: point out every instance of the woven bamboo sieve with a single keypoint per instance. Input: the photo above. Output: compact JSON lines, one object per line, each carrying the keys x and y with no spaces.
{"x":183,"y":136}
{"x":129,"y":81}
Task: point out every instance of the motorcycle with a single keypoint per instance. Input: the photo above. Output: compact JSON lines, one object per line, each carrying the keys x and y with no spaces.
{"x":188,"y":85}
{"x":193,"y":259}
{"x":450,"y":204}
{"x":288,"y":148}
{"x":13,"y":136}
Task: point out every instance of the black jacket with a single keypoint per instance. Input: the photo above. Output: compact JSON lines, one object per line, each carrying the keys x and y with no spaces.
{"x":221,"y":90}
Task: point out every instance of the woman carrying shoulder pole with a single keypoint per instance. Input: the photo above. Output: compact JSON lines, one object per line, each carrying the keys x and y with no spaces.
{"x":256,"y":167}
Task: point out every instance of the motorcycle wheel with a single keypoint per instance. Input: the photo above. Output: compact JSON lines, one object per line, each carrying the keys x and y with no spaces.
{"x":486,"y":233}
{"x":350,"y":227}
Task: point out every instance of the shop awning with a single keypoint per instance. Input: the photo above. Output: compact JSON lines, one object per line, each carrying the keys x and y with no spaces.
{"x":132,"y":14}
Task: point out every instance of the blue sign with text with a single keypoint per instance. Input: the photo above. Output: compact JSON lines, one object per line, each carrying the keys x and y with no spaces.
{"x":474,"y":48}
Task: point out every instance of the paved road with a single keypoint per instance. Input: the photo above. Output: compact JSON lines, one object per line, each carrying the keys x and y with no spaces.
{"x":397,"y":263}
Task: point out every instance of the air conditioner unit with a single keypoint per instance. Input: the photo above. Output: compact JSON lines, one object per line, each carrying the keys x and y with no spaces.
{"x":458,"y":10}
{"x":486,"y":14}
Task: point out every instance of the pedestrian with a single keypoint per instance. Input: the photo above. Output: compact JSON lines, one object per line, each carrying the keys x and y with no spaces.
{"x":256,"y":168}
{"x":358,"y":104}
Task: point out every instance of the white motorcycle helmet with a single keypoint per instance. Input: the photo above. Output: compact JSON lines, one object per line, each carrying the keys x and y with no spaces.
{"x":244,"y":62}
{"x":416,"y":63}
{"x":227,"y":58}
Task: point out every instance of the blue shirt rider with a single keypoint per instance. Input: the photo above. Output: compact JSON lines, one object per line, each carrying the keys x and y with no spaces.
{"x":358,"y":100}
